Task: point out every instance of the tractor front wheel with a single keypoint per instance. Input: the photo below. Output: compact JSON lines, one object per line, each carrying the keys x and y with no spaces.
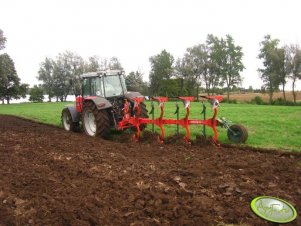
{"x":237,"y":134}
{"x":95,"y":122}
{"x":68,"y":123}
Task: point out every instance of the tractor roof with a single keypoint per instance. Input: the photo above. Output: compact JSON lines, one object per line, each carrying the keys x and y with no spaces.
{"x":102,"y":73}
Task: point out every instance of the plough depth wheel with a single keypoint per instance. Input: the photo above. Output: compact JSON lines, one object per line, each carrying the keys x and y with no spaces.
{"x":237,"y":133}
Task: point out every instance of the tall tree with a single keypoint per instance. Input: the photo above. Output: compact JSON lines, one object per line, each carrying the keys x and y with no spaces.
{"x":36,"y":94}
{"x":66,"y":70}
{"x":183,"y":71}
{"x":10,"y":86}
{"x":114,"y":64}
{"x":161,"y":70}
{"x":269,"y":55}
{"x":197,"y":62}
{"x":2,"y":40}
{"x":295,"y":66}
{"x":283,"y":66}
{"x":92,"y":65}
{"x":46,"y":75}
{"x":62,"y":77}
{"x":134,"y":81}
{"x":104,"y":63}
{"x":232,"y":63}
{"x":215,"y":62}
{"x":72,"y":67}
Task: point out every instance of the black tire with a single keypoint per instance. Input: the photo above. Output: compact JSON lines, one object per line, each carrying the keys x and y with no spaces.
{"x":144,"y":114}
{"x":237,"y":134}
{"x":95,"y":122}
{"x":67,"y":122}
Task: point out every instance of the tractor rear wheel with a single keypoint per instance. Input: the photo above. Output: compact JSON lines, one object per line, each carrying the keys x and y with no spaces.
{"x":237,"y":134}
{"x":67,"y":122}
{"x":95,"y":122}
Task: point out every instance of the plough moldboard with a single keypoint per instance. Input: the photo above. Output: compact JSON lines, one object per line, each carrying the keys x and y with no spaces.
{"x":136,"y":121}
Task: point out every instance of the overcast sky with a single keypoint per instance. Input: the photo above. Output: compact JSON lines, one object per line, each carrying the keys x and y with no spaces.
{"x":134,"y":30}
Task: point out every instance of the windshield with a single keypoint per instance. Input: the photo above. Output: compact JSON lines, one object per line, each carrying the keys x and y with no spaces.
{"x":113,"y":86}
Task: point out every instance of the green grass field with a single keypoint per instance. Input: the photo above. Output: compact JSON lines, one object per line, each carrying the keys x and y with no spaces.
{"x":268,"y":126}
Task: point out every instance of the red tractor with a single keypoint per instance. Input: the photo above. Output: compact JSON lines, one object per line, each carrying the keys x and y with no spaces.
{"x":100,"y":106}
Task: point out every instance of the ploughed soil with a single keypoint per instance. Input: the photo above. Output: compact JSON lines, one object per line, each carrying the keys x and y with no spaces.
{"x":52,"y":177}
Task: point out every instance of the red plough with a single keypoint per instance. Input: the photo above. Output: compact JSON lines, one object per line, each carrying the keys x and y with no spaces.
{"x":185,"y":122}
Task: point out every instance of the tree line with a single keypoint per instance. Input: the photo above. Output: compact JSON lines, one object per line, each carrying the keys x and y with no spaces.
{"x":279,"y":65}
{"x":60,"y":76}
{"x":211,"y":66}
{"x":215,"y":63}
{"x":10,"y":85}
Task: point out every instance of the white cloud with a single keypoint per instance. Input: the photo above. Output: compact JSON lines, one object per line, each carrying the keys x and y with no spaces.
{"x":134,"y":30}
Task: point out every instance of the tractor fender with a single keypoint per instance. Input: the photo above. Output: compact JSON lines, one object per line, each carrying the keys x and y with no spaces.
{"x":131,"y":95}
{"x":100,"y":102}
{"x":74,"y":114}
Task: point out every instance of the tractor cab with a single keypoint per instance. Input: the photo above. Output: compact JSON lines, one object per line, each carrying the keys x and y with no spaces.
{"x":100,"y":107}
{"x":109,"y":83}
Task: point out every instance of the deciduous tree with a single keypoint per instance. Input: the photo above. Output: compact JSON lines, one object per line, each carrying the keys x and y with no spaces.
{"x":161,"y":70}
{"x":71,"y":67}
{"x":62,"y":78}
{"x":36,"y":94}
{"x":183,"y":71}
{"x":269,"y":73}
{"x":216,"y":55}
{"x":295,"y":66}
{"x":46,"y":75}
{"x":134,"y":81}
{"x":10,"y":86}
{"x":115,"y":64}
{"x":93,"y":64}
{"x":2,"y":40}
{"x":197,"y":59}
{"x":231,"y":63}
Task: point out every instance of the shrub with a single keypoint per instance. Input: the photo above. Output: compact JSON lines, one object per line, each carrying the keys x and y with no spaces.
{"x":36,"y":94}
{"x":281,"y":101}
{"x":257,"y":100}
{"x":230,"y":101}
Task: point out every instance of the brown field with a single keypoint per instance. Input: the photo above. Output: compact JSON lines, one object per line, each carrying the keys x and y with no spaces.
{"x":51,"y":177}
{"x":244,"y":97}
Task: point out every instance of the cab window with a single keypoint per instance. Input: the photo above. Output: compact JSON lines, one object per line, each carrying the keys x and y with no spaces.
{"x":93,"y":87}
